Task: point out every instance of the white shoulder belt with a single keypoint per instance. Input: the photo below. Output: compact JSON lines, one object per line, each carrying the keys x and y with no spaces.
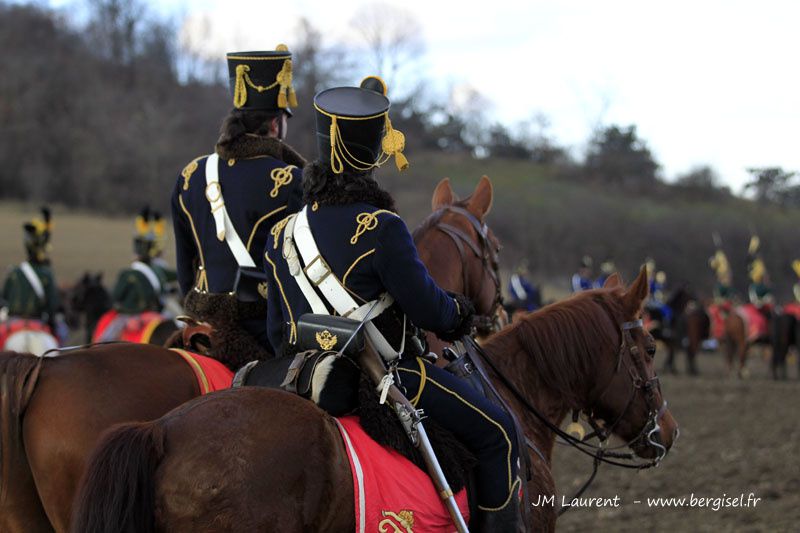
{"x":298,"y":238}
{"x":33,"y":279}
{"x":225,"y":229}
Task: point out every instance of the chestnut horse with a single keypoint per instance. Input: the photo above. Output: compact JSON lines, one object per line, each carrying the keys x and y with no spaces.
{"x":261,"y":460}
{"x":461,"y":253}
{"x":43,"y":453}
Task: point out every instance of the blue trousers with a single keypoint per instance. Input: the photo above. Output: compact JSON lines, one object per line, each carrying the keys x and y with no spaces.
{"x":486,"y":431}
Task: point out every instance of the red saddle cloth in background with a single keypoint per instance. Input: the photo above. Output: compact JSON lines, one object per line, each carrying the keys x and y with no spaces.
{"x":392,"y":494}
{"x":211,"y":374}
{"x":755,"y":322}
{"x":14,"y":325}
{"x":792,"y":308}
{"x":717,"y":313}
{"x":136,"y":328}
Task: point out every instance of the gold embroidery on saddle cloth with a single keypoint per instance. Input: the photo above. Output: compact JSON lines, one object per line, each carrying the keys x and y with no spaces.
{"x":280,"y":176}
{"x":326,"y":340}
{"x":366,"y":222}
{"x":187,"y":172}
{"x":276,"y":230}
{"x":402,"y":522}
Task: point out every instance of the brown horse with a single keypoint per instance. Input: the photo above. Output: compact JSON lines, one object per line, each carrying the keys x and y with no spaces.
{"x":737,"y":344}
{"x":461,"y":253}
{"x":260,"y":460}
{"x":113,"y":384}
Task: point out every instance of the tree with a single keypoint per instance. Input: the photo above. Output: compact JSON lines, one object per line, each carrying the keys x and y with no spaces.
{"x":617,"y":156}
{"x":771,"y":185}
{"x":392,"y":38}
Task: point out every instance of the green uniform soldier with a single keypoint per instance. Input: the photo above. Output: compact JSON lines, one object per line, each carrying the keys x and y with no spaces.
{"x":141,"y":287}
{"x":30,"y":289}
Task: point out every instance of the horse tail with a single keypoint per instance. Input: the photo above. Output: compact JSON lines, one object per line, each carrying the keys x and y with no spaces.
{"x":117,"y":493}
{"x":19,"y":374}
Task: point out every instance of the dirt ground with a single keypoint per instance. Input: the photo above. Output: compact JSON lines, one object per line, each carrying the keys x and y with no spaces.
{"x":737,"y":437}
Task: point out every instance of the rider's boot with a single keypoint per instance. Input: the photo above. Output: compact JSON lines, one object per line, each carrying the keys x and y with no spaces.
{"x":506,"y":520}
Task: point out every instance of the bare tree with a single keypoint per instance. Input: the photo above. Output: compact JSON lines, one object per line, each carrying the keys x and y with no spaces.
{"x":392,"y":37}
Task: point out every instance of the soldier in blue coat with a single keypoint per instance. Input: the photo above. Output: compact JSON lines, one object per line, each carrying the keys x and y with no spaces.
{"x":369,"y":249}
{"x":582,"y":279}
{"x":224,"y":205}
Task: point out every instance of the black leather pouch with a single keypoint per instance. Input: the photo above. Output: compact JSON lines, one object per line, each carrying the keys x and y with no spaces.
{"x":250,"y":285}
{"x":329,"y":333}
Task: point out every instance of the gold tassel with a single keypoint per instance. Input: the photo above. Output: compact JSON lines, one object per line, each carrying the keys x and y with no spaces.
{"x":393,"y":143}
{"x":239,"y":87}
{"x":158,"y":227}
{"x":284,"y":79}
{"x":292,"y":97}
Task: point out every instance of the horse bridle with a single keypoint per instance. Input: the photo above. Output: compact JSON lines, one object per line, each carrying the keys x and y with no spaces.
{"x":485,"y":323}
{"x":649,"y":387}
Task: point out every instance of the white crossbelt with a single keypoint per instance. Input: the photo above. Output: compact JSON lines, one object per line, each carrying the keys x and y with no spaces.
{"x":145,"y":270}
{"x":298,"y":237}
{"x":224,"y":226}
{"x":33,"y":279}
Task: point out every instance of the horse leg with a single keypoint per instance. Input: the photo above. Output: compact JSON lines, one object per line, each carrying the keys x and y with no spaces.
{"x":21,"y":508}
{"x":83,"y":394}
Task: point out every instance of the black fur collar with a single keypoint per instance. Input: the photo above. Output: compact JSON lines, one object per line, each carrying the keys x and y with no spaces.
{"x":321,"y":185}
{"x":251,"y":145}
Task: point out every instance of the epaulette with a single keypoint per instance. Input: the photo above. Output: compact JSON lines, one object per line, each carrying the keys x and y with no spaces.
{"x":188,"y":170}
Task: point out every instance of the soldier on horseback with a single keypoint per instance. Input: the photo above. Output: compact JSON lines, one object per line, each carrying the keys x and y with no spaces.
{"x":355,"y":248}
{"x":142,"y":286}
{"x":760,"y":290}
{"x":582,"y":279}
{"x":30,"y":290}
{"x":656,"y":303}
{"x":524,"y":294}
{"x":224,"y":204}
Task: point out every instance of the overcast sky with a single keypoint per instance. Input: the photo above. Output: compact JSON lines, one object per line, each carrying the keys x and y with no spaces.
{"x":712,"y":81}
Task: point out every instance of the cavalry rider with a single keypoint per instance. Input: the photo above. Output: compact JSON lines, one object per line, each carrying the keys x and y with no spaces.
{"x":724,"y":293}
{"x":796,"y":286}
{"x":351,"y":223}
{"x":582,"y":279}
{"x":142,"y":286}
{"x":524,"y":295}
{"x":723,"y":287}
{"x":607,"y":268}
{"x":224,"y":205}
{"x":760,"y":290}
{"x":30,"y":289}
{"x":656,"y":303}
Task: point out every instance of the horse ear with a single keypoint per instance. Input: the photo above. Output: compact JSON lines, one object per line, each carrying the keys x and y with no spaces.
{"x":442,"y":195}
{"x":636,"y":294}
{"x":480,"y":203}
{"x":613,"y":281}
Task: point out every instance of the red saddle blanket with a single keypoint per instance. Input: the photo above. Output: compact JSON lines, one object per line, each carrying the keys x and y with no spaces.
{"x":792,"y":308}
{"x":755,"y":322}
{"x":392,"y":494}
{"x":114,"y":326}
{"x":14,"y":325}
{"x":717,"y":314}
{"x":211,"y":374}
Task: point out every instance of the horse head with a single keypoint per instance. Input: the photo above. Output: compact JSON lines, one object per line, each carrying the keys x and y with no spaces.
{"x":461,"y":251}
{"x":626,"y":399}
{"x":590,"y":355}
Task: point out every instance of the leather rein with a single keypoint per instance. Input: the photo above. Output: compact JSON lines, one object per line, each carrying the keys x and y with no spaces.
{"x":600,"y":453}
{"x":489,"y":322}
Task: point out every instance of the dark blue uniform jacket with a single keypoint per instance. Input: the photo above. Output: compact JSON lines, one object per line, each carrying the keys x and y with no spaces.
{"x":371,"y":251}
{"x":257,"y":192}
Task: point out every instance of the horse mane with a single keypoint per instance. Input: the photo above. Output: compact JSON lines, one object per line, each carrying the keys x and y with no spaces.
{"x":561,"y":342}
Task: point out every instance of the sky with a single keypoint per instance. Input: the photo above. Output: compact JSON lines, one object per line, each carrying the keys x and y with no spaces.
{"x":705,"y":81}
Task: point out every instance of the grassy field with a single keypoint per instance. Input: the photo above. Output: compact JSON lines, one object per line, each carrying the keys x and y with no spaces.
{"x":81,"y":241}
